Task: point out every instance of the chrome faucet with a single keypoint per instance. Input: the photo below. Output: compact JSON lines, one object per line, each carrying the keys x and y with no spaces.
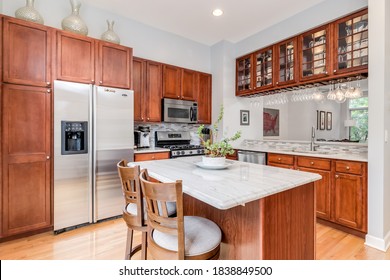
{"x":313,"y":135}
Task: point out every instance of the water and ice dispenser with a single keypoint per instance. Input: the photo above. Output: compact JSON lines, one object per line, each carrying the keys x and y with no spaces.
{"x":74,"y":137}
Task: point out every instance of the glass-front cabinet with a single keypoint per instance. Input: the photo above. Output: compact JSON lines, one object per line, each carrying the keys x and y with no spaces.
{"x":286,"y":59}
{"x":314,"y":53}
{"x":244,"y":74}
{"x":264,"y":68}
{"x":351,"y":43}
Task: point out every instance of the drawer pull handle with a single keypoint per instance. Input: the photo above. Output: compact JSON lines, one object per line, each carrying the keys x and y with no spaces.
{"x":312,"y":163}
{"x":337,"y":176}
{"x":348,"y":168}
{"x":279,"y":159}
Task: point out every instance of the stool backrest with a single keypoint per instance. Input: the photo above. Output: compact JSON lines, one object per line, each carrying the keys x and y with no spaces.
{"x":131,"y":189}
{"x":157,"y":195}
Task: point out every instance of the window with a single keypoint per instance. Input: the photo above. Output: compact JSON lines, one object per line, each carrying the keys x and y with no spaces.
{"x":358,"y":111}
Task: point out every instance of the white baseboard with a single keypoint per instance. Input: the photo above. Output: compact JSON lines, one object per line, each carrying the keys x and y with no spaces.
{"x":378,"y":243}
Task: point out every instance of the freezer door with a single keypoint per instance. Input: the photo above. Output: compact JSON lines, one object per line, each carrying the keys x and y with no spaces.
{"x":72,"y":172}
{"x":113,"y":141}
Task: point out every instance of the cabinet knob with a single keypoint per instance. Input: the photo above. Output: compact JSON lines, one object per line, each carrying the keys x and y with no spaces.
{"x":277,"y":83}
{"x":334,"y":71}
{"x":337,"y":176}
{"x":47,"y":157}
{"x":312,"y":163}
{"x":93,"y":81}
{"x":48,"y":84}
{"x":326,"y":72}
{"x":142,"y":118}
{"x":48,"y":91}
{"x":279,"y":159}
{"x":100,"y":82}
{"x":147,"y":118}
{"x":348,"y":168}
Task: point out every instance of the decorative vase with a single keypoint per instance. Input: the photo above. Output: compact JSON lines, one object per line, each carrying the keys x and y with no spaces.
{"x":74,"y":23}
{"x":29,"y":13}
{"x":213,"y":161}
{"x":110,"y":35}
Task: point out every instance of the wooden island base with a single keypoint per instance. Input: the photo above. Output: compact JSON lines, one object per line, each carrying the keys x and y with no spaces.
{"x":277,"y":227}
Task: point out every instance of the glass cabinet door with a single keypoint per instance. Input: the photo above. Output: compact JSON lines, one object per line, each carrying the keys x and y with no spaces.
{"x":264,"y":68}
{"x":352,"y":42}
{"x":285,"y":72}
{"x":314,"y":54}
{"x":244,"y":74}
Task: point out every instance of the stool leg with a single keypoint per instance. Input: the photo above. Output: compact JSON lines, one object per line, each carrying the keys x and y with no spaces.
{"x":144,"y":247}
{"x":129,"y":244}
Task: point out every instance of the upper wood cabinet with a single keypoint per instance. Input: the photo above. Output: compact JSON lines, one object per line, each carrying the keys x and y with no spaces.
{"x":263,"y":68}
{"x":26,"y":53}
{"x":189,"y":84}
{"x":244,"y":69}
{"x":286,"y":66}
{"x":147,"y":85}
{"x":314,"y":54}
{"x":113,"y":65}
{"x":171,"y":81}
{"x":75,"y":58}
{"x":351,"y":43}
{"x":330,"y":52}
{"x":204,"y":98}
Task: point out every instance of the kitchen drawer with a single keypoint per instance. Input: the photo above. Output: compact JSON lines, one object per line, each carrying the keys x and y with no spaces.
{"x":151,"y":156}
{"x":281,"y":159}
{"x":350,"y":167}
{"x":315,"y":163}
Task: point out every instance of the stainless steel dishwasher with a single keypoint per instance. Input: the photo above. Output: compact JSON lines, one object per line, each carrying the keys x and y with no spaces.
{"x":252,"y":157}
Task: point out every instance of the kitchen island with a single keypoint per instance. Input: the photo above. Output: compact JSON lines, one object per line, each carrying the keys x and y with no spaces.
{"x":264,"y":212}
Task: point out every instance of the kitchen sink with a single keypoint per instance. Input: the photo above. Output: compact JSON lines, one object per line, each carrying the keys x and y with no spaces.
{"x":314,"y":152}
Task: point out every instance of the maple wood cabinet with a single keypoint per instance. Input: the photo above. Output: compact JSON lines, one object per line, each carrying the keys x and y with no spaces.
{"x":113,"y":67}
{"x":26,"y":53}
{"x":334,"y":51}
{"x":147,"y":85}
{"x":341,"y":194}
{"x":204,"y":98}
{"x":151,"y":156}
{"x":179,"y":83}
{"x":75,"y":58}
{"x":26,"y":159}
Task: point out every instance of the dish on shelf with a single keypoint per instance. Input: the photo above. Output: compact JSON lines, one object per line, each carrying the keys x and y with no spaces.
{"x":213,"y":167}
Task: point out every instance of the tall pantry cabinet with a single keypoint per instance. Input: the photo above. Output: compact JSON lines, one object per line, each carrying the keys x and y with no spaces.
{"x":26,"y":95}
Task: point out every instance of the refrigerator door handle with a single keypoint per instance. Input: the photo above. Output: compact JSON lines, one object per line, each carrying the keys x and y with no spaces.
{"x":92,"y":110}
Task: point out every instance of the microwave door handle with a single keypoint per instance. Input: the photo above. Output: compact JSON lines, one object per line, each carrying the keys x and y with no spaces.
{"x":191,"y":113}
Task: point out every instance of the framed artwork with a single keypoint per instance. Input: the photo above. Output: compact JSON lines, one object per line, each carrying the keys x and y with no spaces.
{"x":244,"y":117}
{"x":270,"y":122}
{"x":322,"y":120}
{"x":328,"y":120}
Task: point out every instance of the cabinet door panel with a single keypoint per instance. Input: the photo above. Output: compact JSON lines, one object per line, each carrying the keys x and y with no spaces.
{"x":171,"y":82}
{"x":26,"y":147}
{"x":114,"y":65}
{"x":75,"y":58}
{"x":349,"y":203}
{"x":322,"y":188}
{"x":244,"y":79}
{"x":204,"y":98}
{"x":26,"y":53}
{"x":189,"y":84}
{"x":138,"y":87}
{"x":153,"y":91}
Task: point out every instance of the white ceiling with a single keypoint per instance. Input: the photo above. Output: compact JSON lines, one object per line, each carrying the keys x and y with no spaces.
{"x":193,"y":19}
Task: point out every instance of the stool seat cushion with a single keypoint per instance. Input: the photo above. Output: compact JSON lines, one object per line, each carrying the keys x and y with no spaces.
{"x":201,"y":236}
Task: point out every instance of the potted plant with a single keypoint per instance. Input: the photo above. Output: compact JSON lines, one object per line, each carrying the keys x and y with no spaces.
{"x":216,"y":151}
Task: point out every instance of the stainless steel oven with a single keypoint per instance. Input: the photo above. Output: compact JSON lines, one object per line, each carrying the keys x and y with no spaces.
{"x":180,"y":111}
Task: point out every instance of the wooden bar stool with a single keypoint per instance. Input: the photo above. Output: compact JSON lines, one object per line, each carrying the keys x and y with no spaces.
{"x":134,"y":210}
{"x":180,"y":237}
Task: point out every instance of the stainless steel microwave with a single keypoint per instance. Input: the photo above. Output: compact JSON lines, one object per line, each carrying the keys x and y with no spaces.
{"x":180,"y":111}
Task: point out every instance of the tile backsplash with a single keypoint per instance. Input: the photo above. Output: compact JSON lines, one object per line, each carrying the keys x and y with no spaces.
{"x":192,"y":128}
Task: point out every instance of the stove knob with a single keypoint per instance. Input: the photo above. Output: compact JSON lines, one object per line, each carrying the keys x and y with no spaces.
{"x":190,"y":152}
{"x":199,"y":151}
{"x":182,"y":152}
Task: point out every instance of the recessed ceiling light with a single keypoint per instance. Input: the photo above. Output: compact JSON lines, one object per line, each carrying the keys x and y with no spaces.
{"x":217,"y":12}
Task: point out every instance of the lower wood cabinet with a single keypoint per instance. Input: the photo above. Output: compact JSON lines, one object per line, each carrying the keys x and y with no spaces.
{"x":341,"y":194}
{"x":151,"y":156}
{"x":26,"y":162}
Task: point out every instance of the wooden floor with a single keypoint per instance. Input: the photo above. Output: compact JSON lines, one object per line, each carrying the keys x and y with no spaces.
{"x":106,"y":241}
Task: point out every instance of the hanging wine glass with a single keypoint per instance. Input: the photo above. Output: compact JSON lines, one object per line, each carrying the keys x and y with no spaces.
{"x":340,"y":96}
{"x":350,"y":90}
{"x":331,"y":93}
{"x":357,"y":93}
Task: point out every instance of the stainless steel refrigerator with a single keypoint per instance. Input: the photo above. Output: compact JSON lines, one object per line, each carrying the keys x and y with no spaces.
{"x":93,"y":130}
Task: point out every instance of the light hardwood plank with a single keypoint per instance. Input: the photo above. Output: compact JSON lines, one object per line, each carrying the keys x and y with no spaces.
{"x":107,"y":240}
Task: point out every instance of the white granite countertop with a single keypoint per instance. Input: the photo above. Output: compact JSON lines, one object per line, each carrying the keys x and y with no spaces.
{"x":238,"y":184}
{"x":343,"y":153}
{"x":150,"y":150}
